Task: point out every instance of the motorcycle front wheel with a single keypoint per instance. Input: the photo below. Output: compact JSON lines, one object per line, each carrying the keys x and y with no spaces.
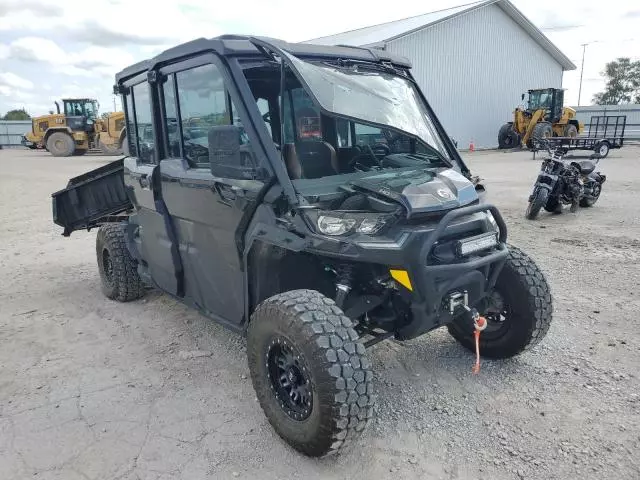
{"x":538,"y":200}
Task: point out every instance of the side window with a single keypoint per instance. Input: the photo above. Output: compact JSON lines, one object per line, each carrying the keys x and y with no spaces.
{"x":203,"y":104}
{"x":144,"y":125}
{"x":171,"y":117}
{"x":132,"y":138}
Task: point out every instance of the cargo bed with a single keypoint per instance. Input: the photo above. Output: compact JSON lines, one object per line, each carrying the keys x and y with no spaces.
{"x":91,"y":198}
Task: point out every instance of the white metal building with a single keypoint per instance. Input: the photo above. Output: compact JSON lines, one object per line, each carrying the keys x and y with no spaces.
{"x":473,"y":62}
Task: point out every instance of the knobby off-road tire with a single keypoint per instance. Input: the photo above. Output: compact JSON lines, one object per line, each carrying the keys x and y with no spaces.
{"x":328,"y":353}
{"x":118,"y":269}
{"x":537,"y":202}
{"x":528,"y":306}
{"x":60,"y":144}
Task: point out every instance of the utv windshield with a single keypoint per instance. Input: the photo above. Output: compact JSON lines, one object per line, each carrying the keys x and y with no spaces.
{"x":371,"y":93}
{"x":345,"y":119}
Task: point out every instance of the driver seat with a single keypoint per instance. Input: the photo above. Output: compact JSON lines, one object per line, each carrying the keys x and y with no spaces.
{"x":311,"y":159}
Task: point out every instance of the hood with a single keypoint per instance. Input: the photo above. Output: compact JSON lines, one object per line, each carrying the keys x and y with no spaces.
{"x":426,"y":191}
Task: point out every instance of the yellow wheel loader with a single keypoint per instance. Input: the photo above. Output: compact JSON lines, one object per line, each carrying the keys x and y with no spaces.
{"x":545,"y":116}
{"x":77,"y":130}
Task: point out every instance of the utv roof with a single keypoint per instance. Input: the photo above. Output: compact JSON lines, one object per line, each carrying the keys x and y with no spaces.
{"x":241,"y":46}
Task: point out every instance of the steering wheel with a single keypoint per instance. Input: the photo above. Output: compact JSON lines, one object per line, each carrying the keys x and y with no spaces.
{"x":368,"y":153}
{"x":380,"y":150}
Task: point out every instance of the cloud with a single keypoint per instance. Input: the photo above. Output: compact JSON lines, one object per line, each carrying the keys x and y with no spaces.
{"x":32,"y":7}
{"x":12,"y":80}
{"x":94,"y":33}
{"x":632,"y":14}
{"x":88,"y":62}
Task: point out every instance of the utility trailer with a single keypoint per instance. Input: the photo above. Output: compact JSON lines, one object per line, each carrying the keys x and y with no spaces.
{"x":91,"y":199}
{"x":605,"y":132}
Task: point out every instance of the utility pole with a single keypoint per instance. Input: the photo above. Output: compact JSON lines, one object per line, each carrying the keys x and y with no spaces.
{"x":114,"y":101}
{"x":584,"y":47}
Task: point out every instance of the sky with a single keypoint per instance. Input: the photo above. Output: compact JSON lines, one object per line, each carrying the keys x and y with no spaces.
{"x":71,"y":48}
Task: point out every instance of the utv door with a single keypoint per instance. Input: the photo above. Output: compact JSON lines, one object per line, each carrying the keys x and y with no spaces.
{"x":155,"y":244}
{"x":206,"y":210}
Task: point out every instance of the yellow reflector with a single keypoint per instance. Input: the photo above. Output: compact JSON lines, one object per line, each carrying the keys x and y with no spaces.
{"x":402,"y":277}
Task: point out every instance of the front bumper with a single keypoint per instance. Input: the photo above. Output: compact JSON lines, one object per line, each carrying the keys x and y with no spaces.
{"x":434,"y":282}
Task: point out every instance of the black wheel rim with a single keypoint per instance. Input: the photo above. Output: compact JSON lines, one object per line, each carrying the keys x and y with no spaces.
{"x":107,"y":266}
{"x":289,"y":379}
{"x":498,"y":314}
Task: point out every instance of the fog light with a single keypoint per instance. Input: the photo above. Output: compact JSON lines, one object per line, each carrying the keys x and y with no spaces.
{"x":476,"y":244}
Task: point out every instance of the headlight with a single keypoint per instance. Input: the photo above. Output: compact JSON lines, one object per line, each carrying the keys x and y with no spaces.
{"x":341,"y":223}
{"x":334,"y":225}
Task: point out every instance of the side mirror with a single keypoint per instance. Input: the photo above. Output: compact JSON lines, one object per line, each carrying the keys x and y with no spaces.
{"x":522,"y":97}
{"x":226,"y":156}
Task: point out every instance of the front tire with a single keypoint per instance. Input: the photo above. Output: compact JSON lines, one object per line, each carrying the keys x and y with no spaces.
{"x":522,"y":316}
{"x":310,"y":371}
{"x":60,"y":144}
{"x":508,"y":137}
{"x":536,"y":203}
{"x":118,"y":269}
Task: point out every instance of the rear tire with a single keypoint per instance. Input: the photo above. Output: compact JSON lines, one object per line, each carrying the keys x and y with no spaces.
{"x":60,"y":144}
{"x":527,"y":309}
{"x":508,"y":137}
{"x":118,"y":269}
{"x":537,"y":202}
{"x":590,"y":202}
{"x":301,"y":342}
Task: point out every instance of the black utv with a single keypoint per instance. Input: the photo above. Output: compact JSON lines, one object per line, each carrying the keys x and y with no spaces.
{"x":307,"y":197}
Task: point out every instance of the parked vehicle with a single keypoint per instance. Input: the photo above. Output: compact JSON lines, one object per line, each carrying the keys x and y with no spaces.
{"x":565,"y":182}
{"x":77,"y":130}
{"x":315,"y":247}
{"x":545,"y":116}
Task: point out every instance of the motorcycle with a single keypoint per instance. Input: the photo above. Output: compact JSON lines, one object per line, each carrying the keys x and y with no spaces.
{"x":563,"y":182}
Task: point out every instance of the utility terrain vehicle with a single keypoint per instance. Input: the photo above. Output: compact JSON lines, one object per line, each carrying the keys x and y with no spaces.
{"x":308,"y":197}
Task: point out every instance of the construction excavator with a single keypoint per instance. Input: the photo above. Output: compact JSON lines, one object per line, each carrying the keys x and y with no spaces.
{"x":544,"y":116}
{"x":77,"y":129}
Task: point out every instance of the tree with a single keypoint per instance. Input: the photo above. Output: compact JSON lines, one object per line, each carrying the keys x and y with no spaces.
{"x":20,"y":114}
{"x":623,"y":83}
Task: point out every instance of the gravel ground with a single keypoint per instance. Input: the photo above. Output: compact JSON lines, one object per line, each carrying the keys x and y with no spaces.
{"x":94,"y":389}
